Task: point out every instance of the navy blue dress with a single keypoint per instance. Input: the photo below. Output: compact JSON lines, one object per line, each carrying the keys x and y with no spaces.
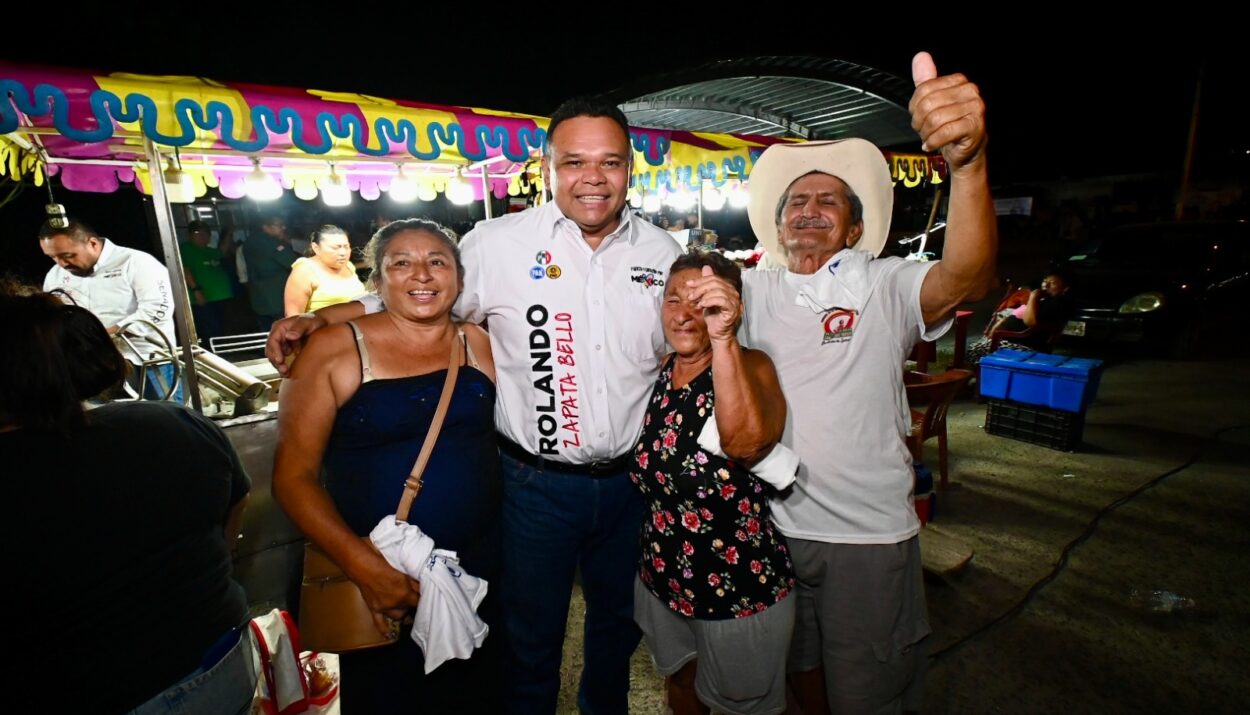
{"x":377,"y":436}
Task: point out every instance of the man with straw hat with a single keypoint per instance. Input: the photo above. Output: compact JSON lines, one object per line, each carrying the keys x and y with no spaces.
{"x":839,"y":323}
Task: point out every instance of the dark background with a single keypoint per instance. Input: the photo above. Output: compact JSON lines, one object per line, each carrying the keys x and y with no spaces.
{"x":1065,"y":97}
{"x":1068,"y":98}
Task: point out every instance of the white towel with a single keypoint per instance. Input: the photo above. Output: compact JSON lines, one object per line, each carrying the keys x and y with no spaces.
{"x":842,"y":283}
{"x":447,"y":625}
{"x":777,"y":468}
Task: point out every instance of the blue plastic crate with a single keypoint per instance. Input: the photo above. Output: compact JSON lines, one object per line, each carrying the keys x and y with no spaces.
{"x":1055,"y":381}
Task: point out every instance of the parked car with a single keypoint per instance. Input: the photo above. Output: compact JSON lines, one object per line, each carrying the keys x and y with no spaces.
{"x":1168,"y":286}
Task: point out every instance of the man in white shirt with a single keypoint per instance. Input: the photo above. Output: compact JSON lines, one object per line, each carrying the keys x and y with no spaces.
{"x":838,"y":325}
{"x":570,"y":292}
{"x":120,"y":286}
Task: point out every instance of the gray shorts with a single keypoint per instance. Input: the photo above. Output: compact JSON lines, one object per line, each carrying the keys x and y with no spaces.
{"x":741,"y":661}
{"x":861,"y":614}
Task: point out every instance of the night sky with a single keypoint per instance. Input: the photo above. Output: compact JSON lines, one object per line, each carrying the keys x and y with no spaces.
{"x":1066,"y":99}
{"x":1062,"y":102}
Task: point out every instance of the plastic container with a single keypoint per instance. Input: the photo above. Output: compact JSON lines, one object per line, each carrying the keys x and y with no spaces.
{"x":1055,"y":381}
{"x":924,"y":498}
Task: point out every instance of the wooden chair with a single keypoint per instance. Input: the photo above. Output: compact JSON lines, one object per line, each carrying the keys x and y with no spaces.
{"x":923,"y":353}
{"x":935,"y":392}
{"x":961,"y":338}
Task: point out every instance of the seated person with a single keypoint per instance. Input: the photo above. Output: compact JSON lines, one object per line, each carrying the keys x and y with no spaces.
{"x":1047,"y":307}
{"x":119,"y":522}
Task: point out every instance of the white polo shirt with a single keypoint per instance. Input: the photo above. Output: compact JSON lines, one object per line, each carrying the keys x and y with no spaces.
{"x":576,"y":333}
{"x":125,"y":285}
{"x":842,"y":374}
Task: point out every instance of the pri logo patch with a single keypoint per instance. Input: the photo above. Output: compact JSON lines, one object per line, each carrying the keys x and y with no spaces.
{"x":543,"y":258}
{"x":839,"y":325}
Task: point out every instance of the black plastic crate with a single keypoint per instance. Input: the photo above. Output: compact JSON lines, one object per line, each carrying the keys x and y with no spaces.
{"x":1056,"y":429}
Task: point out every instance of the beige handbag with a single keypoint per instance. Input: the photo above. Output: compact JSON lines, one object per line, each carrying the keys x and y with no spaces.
{"x":333,"y":615}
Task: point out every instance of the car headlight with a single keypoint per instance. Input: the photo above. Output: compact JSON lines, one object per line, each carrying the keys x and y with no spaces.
{"x":1143,"y":303}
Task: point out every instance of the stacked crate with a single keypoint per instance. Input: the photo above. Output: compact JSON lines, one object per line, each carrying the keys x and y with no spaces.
{"x":1037,"y":397}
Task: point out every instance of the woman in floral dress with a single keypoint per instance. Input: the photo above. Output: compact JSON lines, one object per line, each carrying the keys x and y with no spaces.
{"x":714,"y":579}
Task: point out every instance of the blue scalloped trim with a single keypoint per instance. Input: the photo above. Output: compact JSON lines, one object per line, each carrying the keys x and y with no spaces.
{"x":192,"y":117}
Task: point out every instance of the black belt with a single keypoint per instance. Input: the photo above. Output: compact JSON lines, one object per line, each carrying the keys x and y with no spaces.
{"x":594,"y":469}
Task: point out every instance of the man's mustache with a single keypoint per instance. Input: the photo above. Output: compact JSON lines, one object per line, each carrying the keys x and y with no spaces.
{"x":814,"y":222}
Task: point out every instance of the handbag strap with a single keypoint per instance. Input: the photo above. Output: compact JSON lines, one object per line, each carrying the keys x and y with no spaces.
{"x":412,"y":485}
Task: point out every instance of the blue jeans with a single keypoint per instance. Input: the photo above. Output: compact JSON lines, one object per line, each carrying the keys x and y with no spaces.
{"x":556,"y":524}
{"x":156,"y":380}
{"x":224,"y":687}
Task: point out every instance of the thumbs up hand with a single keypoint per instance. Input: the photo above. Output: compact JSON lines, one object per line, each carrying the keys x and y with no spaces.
{"x":948,"y":113}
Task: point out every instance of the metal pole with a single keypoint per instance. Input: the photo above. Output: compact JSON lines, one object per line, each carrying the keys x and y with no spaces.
{"x":702,"y":182}
{"x":486,"y":193}
{"x":933,"y":212}
{"x":183,"y":323}
{"x":1188,"y":167}
{"x":484,"y":162}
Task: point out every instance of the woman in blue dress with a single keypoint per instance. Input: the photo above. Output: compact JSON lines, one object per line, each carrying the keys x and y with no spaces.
{"x":359,"y":403}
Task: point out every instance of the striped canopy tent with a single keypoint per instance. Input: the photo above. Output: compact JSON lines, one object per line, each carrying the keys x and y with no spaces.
{"x":91,"y":132}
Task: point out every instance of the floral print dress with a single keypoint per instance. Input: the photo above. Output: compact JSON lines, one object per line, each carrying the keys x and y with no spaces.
{"x":709,"y":547}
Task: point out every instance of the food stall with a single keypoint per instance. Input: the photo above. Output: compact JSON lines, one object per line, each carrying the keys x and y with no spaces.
{"x":181,"y":139}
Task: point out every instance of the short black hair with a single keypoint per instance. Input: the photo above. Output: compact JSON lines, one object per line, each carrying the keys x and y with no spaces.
{"x":325,"y":231}
{"x":197,"y":226}
{"x":585,"y":107}
{"x":76,"y":230}
{"x":1062,"y":273}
